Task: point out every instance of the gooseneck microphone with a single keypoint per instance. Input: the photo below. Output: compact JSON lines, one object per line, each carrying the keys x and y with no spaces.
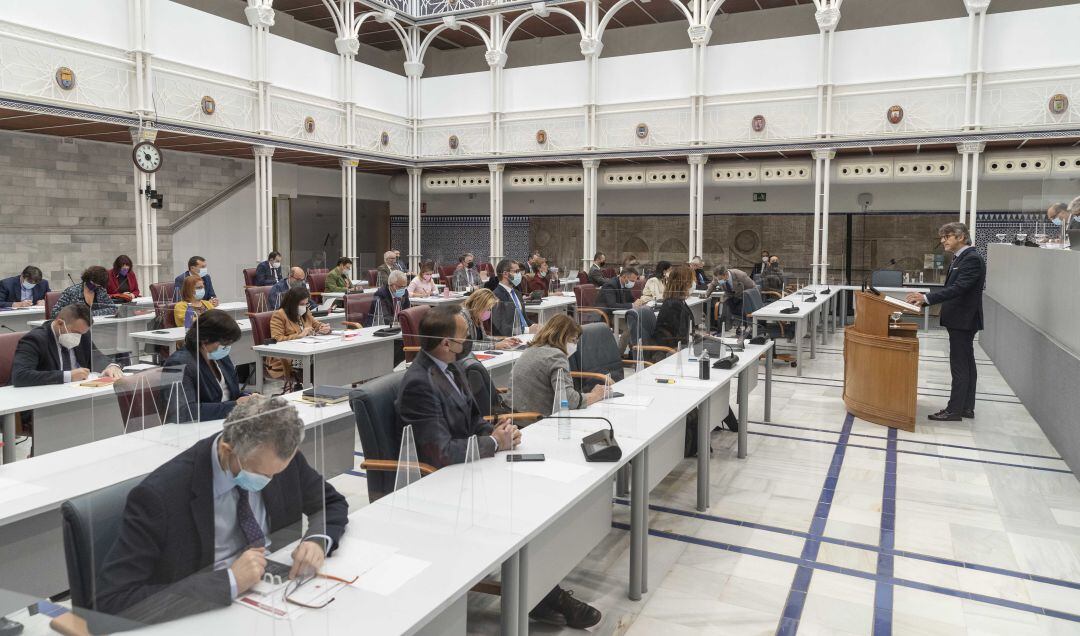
{"x":793,"y":309}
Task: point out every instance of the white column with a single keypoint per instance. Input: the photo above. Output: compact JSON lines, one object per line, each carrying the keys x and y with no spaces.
{"x":588,"y":234}
{"x":822,"y":183}
{"x":347,"y":49}
{"x":969,"y":182}
{"x":414,"y":218}
{"x":146,"y":242}
{"x":696,"y":241}
{"x":699,"y":40}
{"x":973,"y":79}
{"x":496,"y":61}
{"x":260,"y":15}
{"x":264,"y":200}
{"x":139,"y":28}
{"x":497,"y":245}
{"x":828,"y":16}
{"x":413,"y":71}
{"x":348,"y":211}
{"x":590,"y":48}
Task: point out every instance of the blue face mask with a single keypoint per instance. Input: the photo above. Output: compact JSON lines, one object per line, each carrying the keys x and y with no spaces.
{"x":398,"y":293}
{"x":1056,"y":221}
{"x":28,"y":286}
{"x":629,"y":284}
{"x":220,"y":352}
{"x":249,"y":481}
{"x":200,"y":293}
{"x":516,"y":279}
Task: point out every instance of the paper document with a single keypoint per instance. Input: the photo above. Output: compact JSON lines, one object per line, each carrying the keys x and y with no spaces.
{"x":386,"y":577}
{"x":915,"y":309}
{"x":551,"y":469}
{"x":629,"y":400}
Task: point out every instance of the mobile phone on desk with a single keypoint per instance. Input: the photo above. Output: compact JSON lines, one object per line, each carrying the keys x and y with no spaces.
{"x":616,"y":394}
{"x":523,"y":457}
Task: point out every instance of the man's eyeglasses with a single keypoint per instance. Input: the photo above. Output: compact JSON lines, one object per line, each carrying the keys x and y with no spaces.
{"x":299,"y":582}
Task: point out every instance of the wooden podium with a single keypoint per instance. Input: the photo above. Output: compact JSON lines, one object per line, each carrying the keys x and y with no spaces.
{"x":881,"y":365}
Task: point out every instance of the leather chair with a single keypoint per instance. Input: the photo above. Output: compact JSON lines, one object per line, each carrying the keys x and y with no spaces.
{"x":258,"y":298}
{"x":487,"y":267}
{"x":317,"y":283}
{"x":162,"y":292}
{"x":585,"y":295}
{"x":91,"y":525}
{"x":50,"y":302}
{"x":409,"y":320}
{"x":446,"y":273}
{"x":318,"y":270}
{"x":640,"y":324}
{"x":358,"y":308}
{"x":374,"y":404}
{"x":583,"y":277}
{"x":609,"y":272}
{"x":260,"y":327}
{"x":249,"y":276}
{"x":373,"y":277}
{"x":139,"y":399}
{"x":8,"y":344}
{"x":168,"y":318}
{"x":597,"y":356}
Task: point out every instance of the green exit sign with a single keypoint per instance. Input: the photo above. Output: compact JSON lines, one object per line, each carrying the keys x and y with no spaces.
{"x":759,"y":197}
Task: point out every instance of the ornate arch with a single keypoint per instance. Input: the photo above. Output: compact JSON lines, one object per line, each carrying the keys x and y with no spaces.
{"x":513,"y":26}
{"x":713,"y":8}
{"x":622,"y":3}
{"x":422,"y":51}
{"x":380,"y":16}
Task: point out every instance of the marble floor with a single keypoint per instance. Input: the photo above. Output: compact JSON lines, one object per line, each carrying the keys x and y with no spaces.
{"x":833,"y":525}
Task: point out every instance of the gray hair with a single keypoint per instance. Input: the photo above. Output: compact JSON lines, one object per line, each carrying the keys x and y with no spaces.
{"x":260,"y":420}
{"x":397,"y":277}
{"x":1074,"y":206}
{"x":387,"y":254}
{"x":959,"y":230}
{"x":721,"y":270}
{"x":1059,"y":208}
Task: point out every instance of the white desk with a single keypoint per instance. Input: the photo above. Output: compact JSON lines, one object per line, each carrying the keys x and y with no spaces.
{"x":807,"y":312}
{"x":551,"y":306}
{"x":341,"y":362}
{"x":20,"y":319}
{"x":455,"y":298}
{"x":31,"y":546}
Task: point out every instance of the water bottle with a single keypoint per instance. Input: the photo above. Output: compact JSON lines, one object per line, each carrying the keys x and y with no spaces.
{"x":703,"y":366}
{"x":564,"y":420}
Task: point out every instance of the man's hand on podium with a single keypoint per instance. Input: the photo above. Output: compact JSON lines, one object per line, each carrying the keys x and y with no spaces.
{"x":915,"y":298}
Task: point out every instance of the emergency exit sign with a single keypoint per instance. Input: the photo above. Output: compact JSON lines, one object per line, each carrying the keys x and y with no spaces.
{"x":759,"y":197}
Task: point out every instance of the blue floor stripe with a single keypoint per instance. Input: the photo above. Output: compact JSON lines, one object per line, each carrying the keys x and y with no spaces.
{"x":816,"y":565}
{"x":800,"y":584}
{"x":792,"y":380}
{"x":356,"y":473}
{"x":911,"y":441}
{"x":921,"y":388}
{"x":909,"y":452}
{"x":358,"y":453}
{"x":883,"y":589}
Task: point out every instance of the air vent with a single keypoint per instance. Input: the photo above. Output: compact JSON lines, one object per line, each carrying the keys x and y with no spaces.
{"x":864,"y":170}
{"x":787,"y":172}
{"x":474,"y":181}
{"x":667,"y":176}
{"x":736,"y":173}
{"x":623,"y":178}
{"x":1066,"y":164}
{"x":441,"y":181}
{"x":1010,"y":165}
{"x":565,"y":179}
{"x":925,"y":168}
{"x":525,"y":179}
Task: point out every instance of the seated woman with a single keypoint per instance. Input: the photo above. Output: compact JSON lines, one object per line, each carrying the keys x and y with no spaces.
{"x":654,"y":287}
{"x":90,"y":291}
{"x":339,"y":279}
{"x":477,"y":311}
{"x":674,"y":322}
{"x":208,"y":388}
{"x":122,"y":285}
{"x":541,"y":280}
{"x":191,"y":304}
{"x":290,"y":322}
{"x":423,"y":286}
{"x":543,"y":370}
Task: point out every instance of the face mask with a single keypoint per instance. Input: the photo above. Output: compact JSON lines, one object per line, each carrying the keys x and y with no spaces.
{"x":485,"y":315}
{"x":602,"y":263}
{"x":516,"y":279}
{"x":765,"y":259}
{"x":124,"y":271}
{"x":571,"y":347}
{"x":301,"y":310}
{"x":69,"y":340}
{"x":470,"y":264}
{"x":295,"y":283}
{"x":398,"y":293}
{"x":347,"y":272}
{"x":200,"y":293}
{"x":203,"y":271}
{"x":251,"y":482}
{"x":427,"y":278}
{"x":1056,"y":221}
{"x":276,"y":265}
{"x":220,"y":352}
{"x":28,"y":286}
{"x":629,"y":284}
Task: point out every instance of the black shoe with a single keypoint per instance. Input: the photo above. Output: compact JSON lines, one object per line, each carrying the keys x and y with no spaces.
{"x":567,"y":610}
{"x":970,"y":414}
{"x":944,"y":416}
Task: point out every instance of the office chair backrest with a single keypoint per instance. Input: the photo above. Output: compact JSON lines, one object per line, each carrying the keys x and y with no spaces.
{"x":597,"y":352}
{"x":374,"y":406}
{"x":583,"y":277}
{"x":609,"y":272}
{"x":409,"y":320}
{"x":487,"y":267}
{"x":258,"y":298}
{"x":168,"y":317}
{"x":8,"y":343}
{"x":640,"y":324}
{"x":162,"y":292}
{"x":249,"y":276}
{"x":50,"y":302}
{"x":91,"y":524}
{"x":358,"y":306}
{"x":317,"y":282}
{"x":372,"y":277}
{"x":751,"y":301}
{"x":585,"y":294}
{"x":318,"y":270}
{"x":139,"y":400}
{"x":446,"y":272}
{"x":476,"y":374}
{"x":260,"y":326}
{"x":887,"y":278}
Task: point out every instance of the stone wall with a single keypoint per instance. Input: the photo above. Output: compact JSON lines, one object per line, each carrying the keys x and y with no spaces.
{"x":67,"y":204}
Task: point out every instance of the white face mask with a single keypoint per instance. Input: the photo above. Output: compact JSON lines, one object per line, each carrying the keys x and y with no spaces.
{"x":203,"y":271}
{"x":301,"y":310}
{"x":571,"y":347}
{"x":67,"y":339}
{"x":276,"y":264}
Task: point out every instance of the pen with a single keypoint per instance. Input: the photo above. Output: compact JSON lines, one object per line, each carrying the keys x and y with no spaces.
{"x":665,"y":381}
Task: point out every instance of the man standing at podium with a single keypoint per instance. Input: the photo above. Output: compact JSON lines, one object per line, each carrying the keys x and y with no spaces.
{"x":961,"y":315}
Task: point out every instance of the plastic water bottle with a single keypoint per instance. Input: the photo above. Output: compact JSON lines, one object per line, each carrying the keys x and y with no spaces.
{"x":564,"y":420}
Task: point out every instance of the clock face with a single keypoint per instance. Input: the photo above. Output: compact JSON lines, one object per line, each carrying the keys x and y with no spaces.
{"x":147,"y":157}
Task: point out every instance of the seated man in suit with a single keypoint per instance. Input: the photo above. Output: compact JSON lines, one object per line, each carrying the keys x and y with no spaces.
{"x":339,"y":280}
{"x":760,"y":266}
{"x":195,"y":532}
{"x":60,"y":351}
{"x":389,"y":265}
{"x":509,"y":317}
{"x":436,"y":401}
{"x":391,"y":298}
{"x":24,"y":290}
{"x":467,"y":275}
{"x":196,"y":266}
{"x":701,"y":281}
{"x":596,"y":270}
{"x":733,"y":282}
{"x":616,"y":292}
{"x":399,"y":264}
{"x":268,"y":272}
{"x":297,"y":278}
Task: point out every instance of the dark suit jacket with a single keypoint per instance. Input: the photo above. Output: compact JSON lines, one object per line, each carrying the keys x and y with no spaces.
{"x":11,"y":290}
{"x":614,"y":296}
{"x":201,"y":389}
{"x":442,"y":419}
{"x":159,"y":567}
{"x":673,"y":323}
{"x":505,"y":313}
{"x":596,"y":275}
{"x":266,"y":275}
{"x":961,"y":298}
{"x":701,"y":280}
{"x":385,"y":299}
{"x":179,"y":282}
{"x":37,"y":361}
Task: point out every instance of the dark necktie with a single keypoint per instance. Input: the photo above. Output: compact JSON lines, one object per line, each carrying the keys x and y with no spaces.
{"x":245,"y":518}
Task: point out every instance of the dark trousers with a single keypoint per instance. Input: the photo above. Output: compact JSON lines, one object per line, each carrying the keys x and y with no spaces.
{"x":962,"y":366}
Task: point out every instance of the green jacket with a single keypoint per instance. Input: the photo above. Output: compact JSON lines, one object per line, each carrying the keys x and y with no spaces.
{"x":337,"y":282}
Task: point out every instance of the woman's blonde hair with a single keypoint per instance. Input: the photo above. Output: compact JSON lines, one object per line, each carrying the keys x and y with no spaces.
{"x":480,"y":301}
{"x":556,"y":332}
{"x":680,"y":280}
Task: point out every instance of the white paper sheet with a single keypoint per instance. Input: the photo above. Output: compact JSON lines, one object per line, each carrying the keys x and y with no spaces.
{"x":629,"y":400}
{"x":553,"y":469}
{"x":386,"y":577}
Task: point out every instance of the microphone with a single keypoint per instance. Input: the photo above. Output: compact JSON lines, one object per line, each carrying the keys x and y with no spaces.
{"x":793,"y":309}
{"x":728,"y":361}
{"x":599,"y":446}
{"x":71,"y":279}
{"x":8,"y":328}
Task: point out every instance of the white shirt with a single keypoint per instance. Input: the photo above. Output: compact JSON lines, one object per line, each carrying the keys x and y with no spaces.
{"x":225,"y":395}
{"x":229,"y":540}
